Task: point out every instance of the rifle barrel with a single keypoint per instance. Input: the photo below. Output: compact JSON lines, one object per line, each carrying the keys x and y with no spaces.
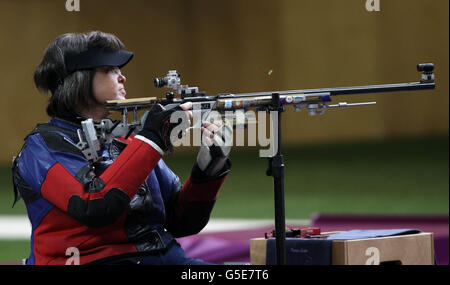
{"x":382,"y":88}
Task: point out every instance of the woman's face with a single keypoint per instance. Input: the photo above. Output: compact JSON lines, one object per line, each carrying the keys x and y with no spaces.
{"x":108,"y":84}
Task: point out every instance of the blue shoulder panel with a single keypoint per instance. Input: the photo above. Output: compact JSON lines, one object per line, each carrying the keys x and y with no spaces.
{"x":35,"y":161}
{"x":166,"y":178}
{"x":33,"y":165}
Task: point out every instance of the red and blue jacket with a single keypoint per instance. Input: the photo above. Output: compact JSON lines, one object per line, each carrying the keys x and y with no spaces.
{"x":128,"y":203}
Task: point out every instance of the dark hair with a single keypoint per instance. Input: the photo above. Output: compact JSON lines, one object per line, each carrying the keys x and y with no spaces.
{"x":70,"y":92}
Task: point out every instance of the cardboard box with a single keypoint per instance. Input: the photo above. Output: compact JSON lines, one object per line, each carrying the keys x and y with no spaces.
{"x":413,"y":249}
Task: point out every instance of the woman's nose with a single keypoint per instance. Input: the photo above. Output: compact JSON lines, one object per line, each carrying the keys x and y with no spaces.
{"x":122,"y":78}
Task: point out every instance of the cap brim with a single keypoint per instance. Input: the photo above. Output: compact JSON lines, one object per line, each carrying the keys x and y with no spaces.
{"x":118,"y":58}
{"x":93,"y":58}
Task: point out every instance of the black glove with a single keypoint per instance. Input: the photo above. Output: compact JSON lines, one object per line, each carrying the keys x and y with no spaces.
{"x":158,"y":128}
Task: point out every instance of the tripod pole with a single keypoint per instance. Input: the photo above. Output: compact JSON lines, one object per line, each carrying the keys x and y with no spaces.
{"x":276,"y":169}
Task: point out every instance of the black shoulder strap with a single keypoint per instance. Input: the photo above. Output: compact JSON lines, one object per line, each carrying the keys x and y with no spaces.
{"x":44,"y":128}
{"x":55,"y":141}
{"x":13,"y":170}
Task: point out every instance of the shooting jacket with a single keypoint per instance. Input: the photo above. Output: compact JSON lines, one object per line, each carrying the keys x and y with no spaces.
{"x":126,"y":204}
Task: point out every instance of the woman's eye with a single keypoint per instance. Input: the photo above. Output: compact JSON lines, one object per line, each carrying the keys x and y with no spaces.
{"x":115,"y":70}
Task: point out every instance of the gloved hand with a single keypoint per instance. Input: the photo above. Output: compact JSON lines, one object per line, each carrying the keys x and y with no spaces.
{"x":157,"y":126}
{"x":216,"y":146}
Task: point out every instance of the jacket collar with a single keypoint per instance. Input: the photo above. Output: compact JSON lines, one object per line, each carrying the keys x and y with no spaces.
{"x":71,"y":124}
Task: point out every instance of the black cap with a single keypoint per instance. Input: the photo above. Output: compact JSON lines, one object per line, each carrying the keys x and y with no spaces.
{"x":96,"y":57}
